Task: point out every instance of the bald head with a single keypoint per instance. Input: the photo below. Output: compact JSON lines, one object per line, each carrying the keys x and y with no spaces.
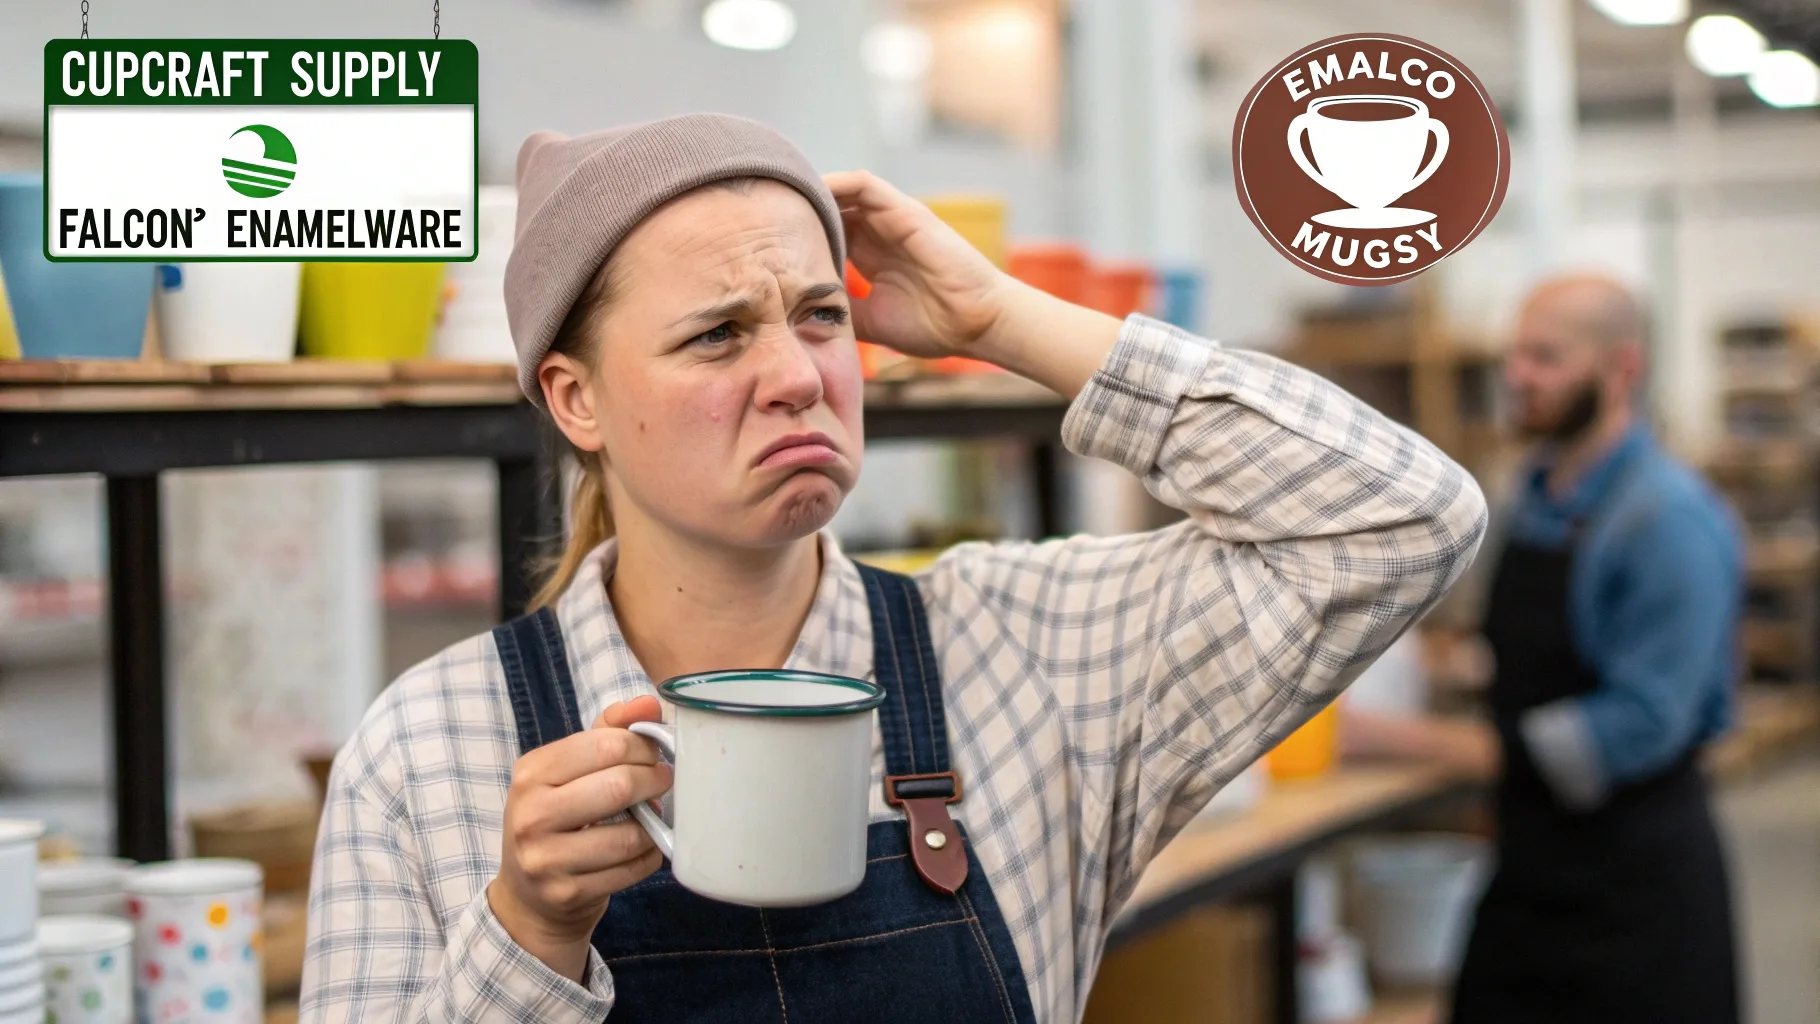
{"x":1587,"y":307}
{"x":1576,"y":356}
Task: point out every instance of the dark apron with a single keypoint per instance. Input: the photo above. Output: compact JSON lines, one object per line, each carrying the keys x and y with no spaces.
{"x":1615,"y":915}
{"x":897,"y":950}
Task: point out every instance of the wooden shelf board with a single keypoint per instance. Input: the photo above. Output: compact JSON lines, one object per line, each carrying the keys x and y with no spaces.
{"x":1414,"y":1007}
{"x":1288,"y":813}
{"x":64,"y":372}
{"x":303,"y":371}
{"x":100,"y":371}
{"x":971,"y":389}
{"x":181,"y":397}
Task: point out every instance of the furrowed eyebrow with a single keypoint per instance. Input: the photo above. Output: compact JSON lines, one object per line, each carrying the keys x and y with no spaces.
{"x":821,"y":291}
{"x":743,"y":306}
{"x":732,"y":309}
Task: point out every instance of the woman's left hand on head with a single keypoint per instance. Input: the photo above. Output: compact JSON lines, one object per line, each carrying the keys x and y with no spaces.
{"x":933,"y":294}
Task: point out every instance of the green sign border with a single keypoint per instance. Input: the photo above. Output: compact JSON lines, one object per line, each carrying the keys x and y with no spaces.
{"x":60,"y":46}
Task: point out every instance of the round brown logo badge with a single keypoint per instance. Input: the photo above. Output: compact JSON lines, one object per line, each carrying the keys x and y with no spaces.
{"x":1369,"y":158}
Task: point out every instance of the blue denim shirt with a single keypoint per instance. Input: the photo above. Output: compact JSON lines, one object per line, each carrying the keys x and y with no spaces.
{"x":1655,"y":594}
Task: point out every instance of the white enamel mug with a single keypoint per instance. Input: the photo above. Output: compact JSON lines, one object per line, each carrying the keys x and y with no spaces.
{"x":88,"y":968}
{"x":772,"y":770}
{"x":92,"y":885}
{"x":18,"y":879}
{"x":198,"y":940}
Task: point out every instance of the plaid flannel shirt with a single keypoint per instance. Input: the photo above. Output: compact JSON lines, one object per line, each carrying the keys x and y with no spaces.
{"x":1099,"y":690}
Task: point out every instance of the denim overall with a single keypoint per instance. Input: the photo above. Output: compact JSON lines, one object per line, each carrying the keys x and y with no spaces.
{"x":898,"y":950}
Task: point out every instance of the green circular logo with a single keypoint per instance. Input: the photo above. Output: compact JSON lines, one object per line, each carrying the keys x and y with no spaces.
{"x":268,"y":176}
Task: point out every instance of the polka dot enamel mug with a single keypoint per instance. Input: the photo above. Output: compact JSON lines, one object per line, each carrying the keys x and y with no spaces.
{"x":198,"y":932}
{"x":88,"y":969}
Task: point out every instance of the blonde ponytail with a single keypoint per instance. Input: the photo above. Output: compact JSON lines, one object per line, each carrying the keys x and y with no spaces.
{"x":590,"y":524}
{"x":590,"y":520}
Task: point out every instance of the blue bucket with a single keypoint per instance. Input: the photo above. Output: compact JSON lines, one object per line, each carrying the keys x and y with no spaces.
{"x":66,"y":310}
{"x":1182,"y":298}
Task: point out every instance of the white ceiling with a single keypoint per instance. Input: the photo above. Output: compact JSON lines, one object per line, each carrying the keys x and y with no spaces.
{"x":1620,"y":69}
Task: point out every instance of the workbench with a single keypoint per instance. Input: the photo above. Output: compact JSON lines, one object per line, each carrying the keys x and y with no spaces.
{"x":1254,"y":854}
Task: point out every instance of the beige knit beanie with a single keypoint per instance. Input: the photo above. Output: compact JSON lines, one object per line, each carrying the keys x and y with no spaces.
{"x":578,"y":197}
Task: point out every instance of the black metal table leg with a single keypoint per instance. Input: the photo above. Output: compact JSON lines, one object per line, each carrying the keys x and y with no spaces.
{"x":136,"y":625}
{"x":1045,"y":461}
{"x":530,"y":523}
{"x":1285,"y":953}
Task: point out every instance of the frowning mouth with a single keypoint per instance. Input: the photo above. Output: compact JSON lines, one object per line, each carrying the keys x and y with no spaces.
{"x":794,"y":451}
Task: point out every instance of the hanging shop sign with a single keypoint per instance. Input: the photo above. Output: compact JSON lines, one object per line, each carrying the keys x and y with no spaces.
{"x":1366,"y":159}
{"x":260,"y":149}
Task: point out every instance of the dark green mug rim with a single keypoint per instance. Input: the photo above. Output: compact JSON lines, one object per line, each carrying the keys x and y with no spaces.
{"x":674,"y":690}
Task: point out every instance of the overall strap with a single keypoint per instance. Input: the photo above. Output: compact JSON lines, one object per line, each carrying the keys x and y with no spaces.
{"x":918,"y":776}
{"x":537,"y":679}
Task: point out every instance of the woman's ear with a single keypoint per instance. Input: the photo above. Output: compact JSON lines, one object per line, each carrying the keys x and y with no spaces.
{"x":568,"y":394}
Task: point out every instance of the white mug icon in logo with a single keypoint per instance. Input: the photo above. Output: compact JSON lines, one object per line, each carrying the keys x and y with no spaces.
{"x":1368,"y":151}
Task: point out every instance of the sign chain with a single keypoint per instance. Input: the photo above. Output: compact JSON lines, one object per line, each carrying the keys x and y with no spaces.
{"x":435,"y":25}
{"x":85,"y":18}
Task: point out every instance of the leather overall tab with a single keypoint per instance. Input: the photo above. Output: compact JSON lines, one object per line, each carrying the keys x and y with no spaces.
{"x":936,"y":846}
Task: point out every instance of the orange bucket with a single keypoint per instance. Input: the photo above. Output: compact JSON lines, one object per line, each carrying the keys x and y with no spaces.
{"x":1309,"y":752}
{"x":1060,"y":270}
{"x":1119,"y":289}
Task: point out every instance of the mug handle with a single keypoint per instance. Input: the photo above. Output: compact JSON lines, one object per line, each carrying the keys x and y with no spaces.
{"x":1297,"y":129}
{"x":1440,"y":131}
{"x":660,"y":734}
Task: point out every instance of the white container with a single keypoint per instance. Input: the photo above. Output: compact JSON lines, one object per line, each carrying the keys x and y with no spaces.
{"x":1239,"y":796}
{"x":1395,"y":684}
{"x":23,"y":1005}
{"x":18,"y":879}
{"x":21,"y":974}
{"x":772,"y":774}
{"x":1317,"y":901}
{"x":1331,"y":983}
{"x":93,"y":885}
{"x":88,"y":968}
{"x":196,"y":941}
{"x":474,"y":328}
{"x":1418,"y":896}
{"x":14,"y":952}
{"x":228,"y":312}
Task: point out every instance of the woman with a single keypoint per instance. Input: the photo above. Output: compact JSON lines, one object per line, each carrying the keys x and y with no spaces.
{"x":675,"y":296}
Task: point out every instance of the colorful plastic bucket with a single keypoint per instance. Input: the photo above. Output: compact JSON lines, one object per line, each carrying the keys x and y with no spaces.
{"x":370,"y":310}
{"x":1119,"y":289}
{"x":228,"y":312}
{"x":1060,"y":270}
{"x":1182,"y":298}
{"x":978,"y":219}
{"x":9,"y":337}
{"x":66,"y":310}
{"x":1310,"y":751}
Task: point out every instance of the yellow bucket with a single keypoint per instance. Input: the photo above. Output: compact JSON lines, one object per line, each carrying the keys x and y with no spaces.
{"x":370,"y":310}
{"x":1309,"y":752}
{"x":9,"y":336}
{"x":978,"y":219}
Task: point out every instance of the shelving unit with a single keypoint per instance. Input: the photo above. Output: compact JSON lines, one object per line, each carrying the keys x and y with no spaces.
{"x":1767,"y":470}
{"x":132,"y":421}
{"x":1403,"y":358}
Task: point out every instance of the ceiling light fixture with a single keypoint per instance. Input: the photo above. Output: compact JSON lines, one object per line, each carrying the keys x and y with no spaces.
{"x":1786,"y":78}
{"x":897,"y":51}
{"x":1643,"y":12}
{"x":1722,"y":44}
{"x":749,"y":24}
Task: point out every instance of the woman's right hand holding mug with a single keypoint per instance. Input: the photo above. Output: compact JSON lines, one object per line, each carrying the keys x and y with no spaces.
{"x":558,"y":866}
